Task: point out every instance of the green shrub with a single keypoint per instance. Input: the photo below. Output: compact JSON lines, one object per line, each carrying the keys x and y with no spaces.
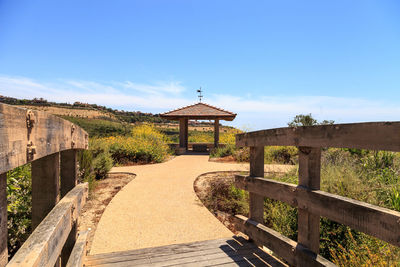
{"x":272,"y":154}
{"x":95,"y":162}
{"x":224,"y":196}
{"x":223,"y":151}
{"x":86,"y":170}
{"x":102,"y":164}
{"x":242,"y":155}
{"x":19,"y":207}
{"x":281,"y":154}
{"x":101,"y":127}
{"x":394,"y":198}
{"x":281,"y":217}
{"x":102,"y":161}
{"x":368,"y":176}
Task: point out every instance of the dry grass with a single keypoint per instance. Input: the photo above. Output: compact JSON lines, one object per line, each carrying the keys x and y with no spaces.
{"x":72,"y":112}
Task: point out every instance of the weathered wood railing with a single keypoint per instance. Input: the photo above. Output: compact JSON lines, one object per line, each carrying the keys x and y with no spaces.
{"x":50,"y":144}
{"x":311,"y":202}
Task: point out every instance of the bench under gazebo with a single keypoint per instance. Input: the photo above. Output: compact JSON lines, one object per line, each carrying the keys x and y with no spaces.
{"x":199,"y":111}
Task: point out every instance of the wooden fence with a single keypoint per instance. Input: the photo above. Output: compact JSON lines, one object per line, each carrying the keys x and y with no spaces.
{"x":311,"y":202}
{"x":50,"y":144}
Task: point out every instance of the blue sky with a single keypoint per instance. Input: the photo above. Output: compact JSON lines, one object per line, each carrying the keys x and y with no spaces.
{"x":265,"y":60}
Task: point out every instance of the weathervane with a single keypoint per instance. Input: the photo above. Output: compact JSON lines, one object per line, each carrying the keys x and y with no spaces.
{"x":200,"y":95}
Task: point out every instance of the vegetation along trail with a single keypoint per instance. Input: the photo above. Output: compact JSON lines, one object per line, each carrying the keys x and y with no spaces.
{"x":159,"y":207}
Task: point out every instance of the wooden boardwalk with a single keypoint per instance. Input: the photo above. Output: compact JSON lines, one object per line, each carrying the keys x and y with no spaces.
{"x":235,"y":251}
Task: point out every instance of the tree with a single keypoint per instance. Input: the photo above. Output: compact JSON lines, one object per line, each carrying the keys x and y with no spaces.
{"x":307,"y":120}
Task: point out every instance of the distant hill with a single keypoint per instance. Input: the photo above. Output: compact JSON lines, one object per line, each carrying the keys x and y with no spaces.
{"x":84,"y":110}
{"x":99,"y":120}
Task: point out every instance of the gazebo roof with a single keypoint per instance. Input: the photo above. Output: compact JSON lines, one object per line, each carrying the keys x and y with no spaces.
{"x":199,"y":111}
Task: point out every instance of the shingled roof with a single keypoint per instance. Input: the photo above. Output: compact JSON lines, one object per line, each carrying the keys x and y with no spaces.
{"x":199,"y":111}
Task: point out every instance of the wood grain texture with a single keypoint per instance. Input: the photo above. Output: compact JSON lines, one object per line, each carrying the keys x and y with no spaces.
{"x":371,"y":135}
{"x":49,"y":134}
{"x":3,"y":220}
{"x":256,"y":201}
{"x":269,"y":188}
{"x":294,"y":253}
{"x":44,"y":245}
{"x":45,"y":186}
{"x":79,"y":251}
{"x":183,"y":133}
{"x":68,"y":170}
{"x":216,"y":133}
{"x":236,"y":250}
{"x":309,"y":177}
{"x":68,"y":180}
{"x":373,"y":220}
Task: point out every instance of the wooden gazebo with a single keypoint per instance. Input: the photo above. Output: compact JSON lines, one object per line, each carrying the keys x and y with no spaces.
{"x":199,"y":111}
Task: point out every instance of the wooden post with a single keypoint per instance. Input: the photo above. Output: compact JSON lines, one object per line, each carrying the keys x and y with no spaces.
{"x":68,"y":180}
{"x":216,"y":134}
{"x":45,"y":186}
{"x":186,"y":133}
{"x":183,"y":133}
{"x":256,"y":170}
{"x":68,"y":171}
{"x":309,"y":176}
{"x":3,"y":220}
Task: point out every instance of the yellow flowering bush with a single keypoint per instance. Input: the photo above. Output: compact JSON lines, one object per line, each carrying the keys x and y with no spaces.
{"x":201,"y":137}
{"x":208,"y":137}
{"x":145,"y":144}
{"x":227,"y":138}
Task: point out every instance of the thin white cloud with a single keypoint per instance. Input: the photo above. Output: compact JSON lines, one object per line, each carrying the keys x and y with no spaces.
{"x":254,"y":111}
{"x":172,"y":88}
{"x":127,"y":95}
{"x":92,"y":87}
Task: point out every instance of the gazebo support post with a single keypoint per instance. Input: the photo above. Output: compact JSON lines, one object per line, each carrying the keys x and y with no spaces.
{"x":186,"y":134}
{"x":216,"y":133}
{"x":183,"y":135}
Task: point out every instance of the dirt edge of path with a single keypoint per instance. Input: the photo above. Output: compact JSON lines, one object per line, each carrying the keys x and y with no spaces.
{"x":201,"y":185}
{"x":99,"y":198}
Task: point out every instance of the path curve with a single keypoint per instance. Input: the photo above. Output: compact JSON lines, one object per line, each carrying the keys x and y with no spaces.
{"x":159,"y":207}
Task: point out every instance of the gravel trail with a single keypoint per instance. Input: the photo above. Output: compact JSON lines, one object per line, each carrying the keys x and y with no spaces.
{"x":159,"y":207}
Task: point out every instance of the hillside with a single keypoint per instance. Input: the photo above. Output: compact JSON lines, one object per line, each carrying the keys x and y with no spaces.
{"x":101,"y":121}
{"x":83,"y":110}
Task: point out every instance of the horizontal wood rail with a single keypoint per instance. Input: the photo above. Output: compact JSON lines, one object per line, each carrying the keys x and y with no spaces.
{"x":50,"y":144}
{"x":294,"y":253}
{"x":373,"y":220}
{"x":371,"y":135}
{"x":311,"y":202}
{"x":78,"y":253}
{"x":44,"y":245}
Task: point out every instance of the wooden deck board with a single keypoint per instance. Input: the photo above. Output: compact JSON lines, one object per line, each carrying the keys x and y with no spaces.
{"x":235,"y":251}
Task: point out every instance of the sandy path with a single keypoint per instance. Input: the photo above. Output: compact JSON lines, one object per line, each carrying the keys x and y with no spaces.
{"x":159,"y":207}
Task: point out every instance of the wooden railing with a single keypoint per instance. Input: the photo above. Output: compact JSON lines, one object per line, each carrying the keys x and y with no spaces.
{"x":311,"y":202}
{"x":50,"y":144}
